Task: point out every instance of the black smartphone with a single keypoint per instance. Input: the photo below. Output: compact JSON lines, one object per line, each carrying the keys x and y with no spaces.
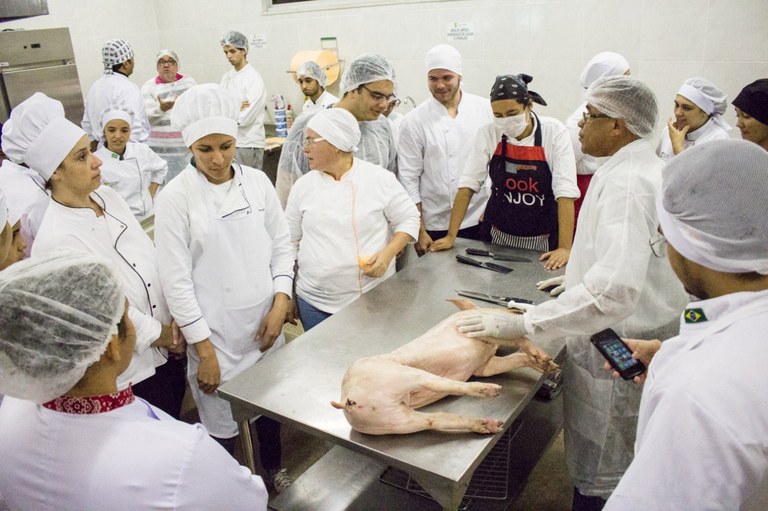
{"x":617,"y":353}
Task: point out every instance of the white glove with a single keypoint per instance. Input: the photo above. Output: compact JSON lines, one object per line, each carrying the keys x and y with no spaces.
{"x":500,"y":325}
{"x":520,"y":305}
{"x":557,"y":282}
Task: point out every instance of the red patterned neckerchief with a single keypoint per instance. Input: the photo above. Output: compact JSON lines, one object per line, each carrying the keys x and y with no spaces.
{"x":91,"y":404}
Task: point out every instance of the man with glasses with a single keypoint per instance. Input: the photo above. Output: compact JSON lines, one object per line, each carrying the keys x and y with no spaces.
{"x":160,"y":93}
{"x":434,"y":143}
{"x":613,"y":280}
{"x":367,"y":88}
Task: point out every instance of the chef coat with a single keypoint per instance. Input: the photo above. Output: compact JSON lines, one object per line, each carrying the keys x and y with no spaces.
{"x":247,"y":84}
{"x":377,"y":145}
{"x":131,"y":175}
{"x":432,"y":152}
{"x":612,"y":280}
{"x":25,"y":192}
{"x":335,"y":223}
{"x":709,"y":131}
{"x":110,"y":92}
{"x":164,"y":139}
{"x":118,"y":237}
{"x":132,"y":457}
{"x":702,"y":436}
{"x":325,"y":100}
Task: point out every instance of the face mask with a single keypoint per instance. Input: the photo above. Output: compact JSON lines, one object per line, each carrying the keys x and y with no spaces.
{"x":511,"y":126}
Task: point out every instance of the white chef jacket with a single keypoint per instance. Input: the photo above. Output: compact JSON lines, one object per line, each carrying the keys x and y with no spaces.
{"x":115,"y":91}
{"x":131,"y":176}
{"x":709,"y":131}
{"x":612,"y":280}
{"x":132,"y":457}
{"x":377,"y":145}
{"x":325,"y":100}
{"x":557,"y":149}
{"x":118,"y":237}
{"x":26,"y":194}
{"x":247,"y":84}
{"x":432,"y":152}
{"x":181,"y":226}
{"x":585,"y":164}
{"x":334,"y":223}
{"x":702,"y":436}
{"x":164,"y":139}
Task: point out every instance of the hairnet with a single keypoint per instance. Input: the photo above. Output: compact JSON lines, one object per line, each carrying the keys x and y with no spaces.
{"x":338,"y":127}
{"x":114,"y":52}
{"x":712,"y":207}
{"x":705,"y":95}
{"x":515,"y":87}
{"x":3,"y":211}
{"x":311,"y":69}
{"x":167,"y":53}
{"x":236,"y":39}
{"x":606,"y":63}
{"x":364,"y":69}
{"x":116,"y":113}
{"x":57,"y":313}
{"x":753,"y":100}
{"x":203,"y":110}
{"x":444,"y":56}
{"x":625,"y":97}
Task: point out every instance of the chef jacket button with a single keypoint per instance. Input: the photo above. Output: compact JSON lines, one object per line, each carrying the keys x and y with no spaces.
{"x":134,"y":265}
{"x":154,"y":306}
{"x":149,"y":284}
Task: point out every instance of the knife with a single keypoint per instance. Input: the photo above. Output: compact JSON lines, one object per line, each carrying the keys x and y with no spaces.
{"x":505,"y":301}
{"x":498,"y":257}
{"x":488,"y":266}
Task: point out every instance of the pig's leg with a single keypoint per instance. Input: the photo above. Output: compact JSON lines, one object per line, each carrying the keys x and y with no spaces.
{"x":413,"y":421}
{"x":440,"y":385}
{"x":498,"y":365}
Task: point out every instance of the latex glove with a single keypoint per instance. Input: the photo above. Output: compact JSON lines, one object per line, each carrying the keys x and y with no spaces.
{"x":557,"y":282}
{"x":487,"y":323}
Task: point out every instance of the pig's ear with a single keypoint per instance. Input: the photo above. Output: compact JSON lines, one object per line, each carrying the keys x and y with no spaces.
{"x":464,"y":305}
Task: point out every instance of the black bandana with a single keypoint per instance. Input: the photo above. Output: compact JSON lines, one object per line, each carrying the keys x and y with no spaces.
{"x":515,"y":87}
{"x":753,"y":100}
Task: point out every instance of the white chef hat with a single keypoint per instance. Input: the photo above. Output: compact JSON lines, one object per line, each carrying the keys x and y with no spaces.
{"x":705,"y":95}
{"x":205,"y":109}
{"x":52,"y":145}
{"x":337,"y":126}
{"x":712,"y":206}
{"x":311,"y":69}
{"x":625,"y":97}
{"x":167,"y":53}
{"x":444,"y":56}
{"x":57,"y":315}
{"x":114,"y":52}
{"x":365,"y":69}
{"x":606,"y":63}
{"x":115,"y":113}
{"x":3,"y":210}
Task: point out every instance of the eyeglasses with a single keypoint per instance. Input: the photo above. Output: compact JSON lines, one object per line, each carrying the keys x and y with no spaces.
{"x":378,"y":96}
{"x":587,"y":116}
{"x":658,"y":246}
{"x":166,"y":62}
{"x":394,"y":104}
{"x":310,"y":141}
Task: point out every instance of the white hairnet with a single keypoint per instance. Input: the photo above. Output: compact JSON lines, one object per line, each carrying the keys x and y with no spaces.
{"x":167,"y":53}
{"x":366,"y":69}
{"x":203,"y":110}
{"x":27,"y":120}
{"x":338,"y":127}
{"x":3,"y":210}
{"x":114,"y":52}
{"x":713,"y":208}
{"x":444,"y":56}
{"x":625,"y":97}
{"x":705,"y":95}
{"x":57,"y":313}
{"x":236,"y":39}
{"x":311,"y":69}
{"x":606,"y":63}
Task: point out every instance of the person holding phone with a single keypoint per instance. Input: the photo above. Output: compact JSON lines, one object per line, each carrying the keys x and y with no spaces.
{"x":702,"y":433}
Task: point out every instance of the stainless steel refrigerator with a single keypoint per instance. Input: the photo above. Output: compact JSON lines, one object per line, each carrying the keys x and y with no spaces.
{"x":39,"y":61}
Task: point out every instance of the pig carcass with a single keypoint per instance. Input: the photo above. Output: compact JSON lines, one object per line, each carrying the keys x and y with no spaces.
{"x":380,"y":394}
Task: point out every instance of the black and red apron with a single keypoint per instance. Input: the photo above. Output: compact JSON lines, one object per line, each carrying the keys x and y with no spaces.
{"x":522,"y":211}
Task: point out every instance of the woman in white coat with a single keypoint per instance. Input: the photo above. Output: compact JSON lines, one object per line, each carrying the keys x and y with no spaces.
{"x":226,"y":263}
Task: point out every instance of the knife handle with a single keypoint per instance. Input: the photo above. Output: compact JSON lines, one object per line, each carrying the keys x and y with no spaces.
{"x":477,"y":251}
{"x":468,"y":260}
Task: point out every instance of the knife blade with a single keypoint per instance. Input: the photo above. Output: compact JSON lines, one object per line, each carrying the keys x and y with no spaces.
{"x":506,"y":301}
{"x":498,"y":257}
{"x":488,"y":266}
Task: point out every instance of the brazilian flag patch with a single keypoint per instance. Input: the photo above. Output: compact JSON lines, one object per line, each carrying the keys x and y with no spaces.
{"x":694,"y":316}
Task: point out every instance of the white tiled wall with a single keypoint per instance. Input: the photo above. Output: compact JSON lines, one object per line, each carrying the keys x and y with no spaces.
{"x":665,"y":41}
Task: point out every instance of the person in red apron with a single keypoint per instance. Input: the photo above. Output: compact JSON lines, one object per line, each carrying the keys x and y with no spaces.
{"x":226,"y":264}
{"x":533,"y":176}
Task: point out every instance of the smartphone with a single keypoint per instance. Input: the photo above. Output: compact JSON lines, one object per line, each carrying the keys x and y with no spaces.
{"x":617,"y":353}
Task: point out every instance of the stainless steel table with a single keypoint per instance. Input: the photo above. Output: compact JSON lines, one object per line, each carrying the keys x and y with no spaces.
{"x":296,"y":384}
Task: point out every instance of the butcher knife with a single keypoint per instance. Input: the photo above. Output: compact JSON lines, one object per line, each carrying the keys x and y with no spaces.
{"x":498,"y":257}
{"x":511,"y":302}
{"x":488,"y":266}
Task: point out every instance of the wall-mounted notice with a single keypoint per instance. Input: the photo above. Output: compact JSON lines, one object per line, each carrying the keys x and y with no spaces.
{"x":460,"y":31}
{"x":259,"y":41}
